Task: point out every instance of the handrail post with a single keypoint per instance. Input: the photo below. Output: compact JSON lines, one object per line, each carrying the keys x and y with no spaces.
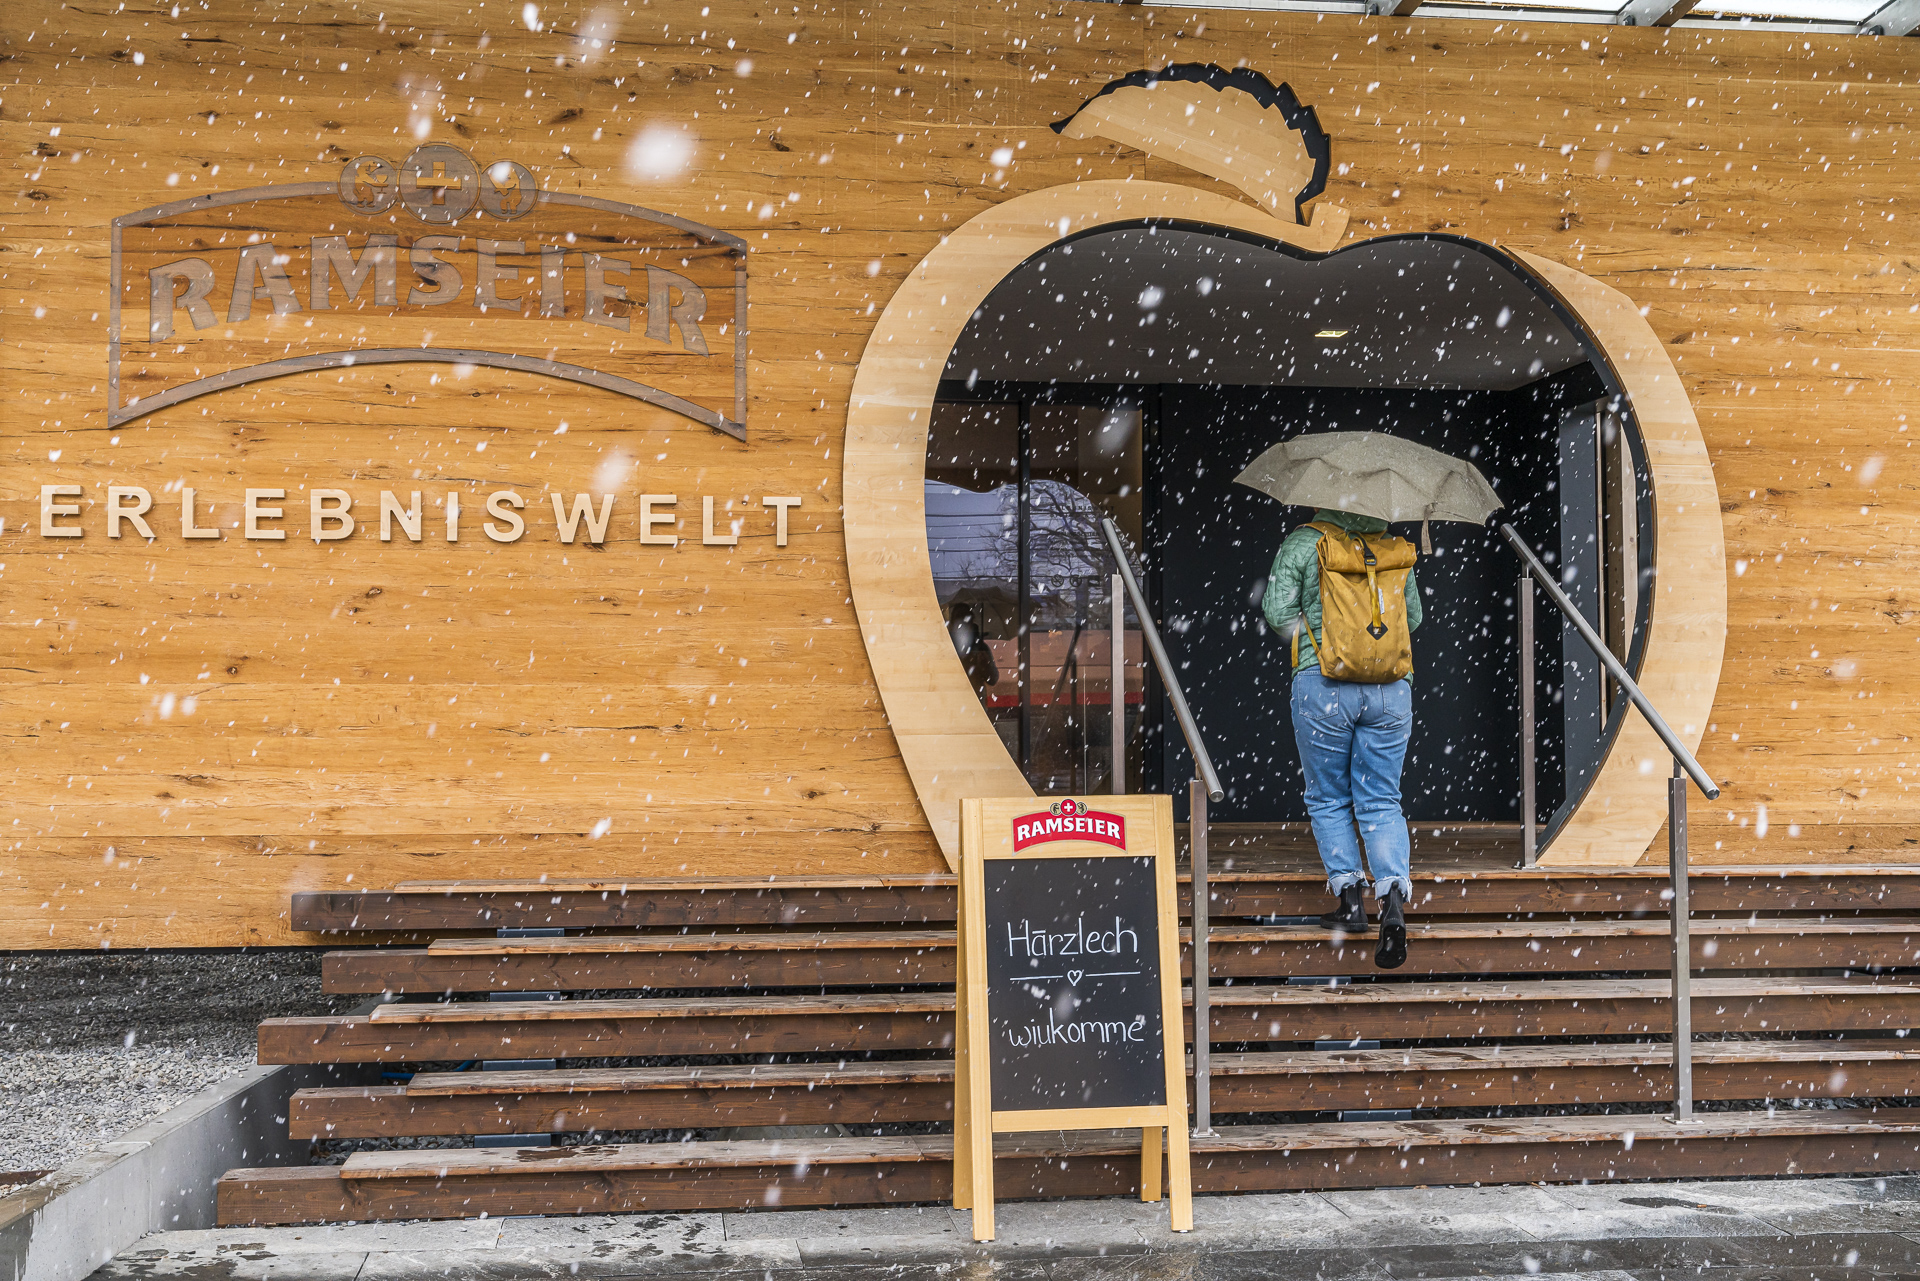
{"x":1529,"y":834}
{"x":1202,"y":763}
{"x":1204,"y":788}
{"x":1682,"y":947}
{"x":1685,"y":766}
{"x":1117,"y":687}
{"x":1023,"y":550}
{"x":1202,"y":971}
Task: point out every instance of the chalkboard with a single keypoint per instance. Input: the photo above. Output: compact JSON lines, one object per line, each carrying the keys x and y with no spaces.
{"x":1073,"y":983}
{"x":1067,"y":1005}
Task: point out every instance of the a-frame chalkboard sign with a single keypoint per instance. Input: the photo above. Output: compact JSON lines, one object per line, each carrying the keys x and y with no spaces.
{"x":1068,"y":991}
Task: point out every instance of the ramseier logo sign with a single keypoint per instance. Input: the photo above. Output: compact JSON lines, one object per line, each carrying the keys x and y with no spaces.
{"x":1069,"y":820}
{"x":434,"y":259}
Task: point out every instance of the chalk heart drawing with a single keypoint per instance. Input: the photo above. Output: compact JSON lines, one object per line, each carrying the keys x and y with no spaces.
{"x":1242,"y":129}
{"x":1074,"y":977}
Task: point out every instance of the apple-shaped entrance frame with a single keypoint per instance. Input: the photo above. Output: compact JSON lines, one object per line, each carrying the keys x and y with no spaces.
{"x":945,"y":739}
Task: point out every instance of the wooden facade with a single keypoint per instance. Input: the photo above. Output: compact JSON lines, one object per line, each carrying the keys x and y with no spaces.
{"x":196,"y":727}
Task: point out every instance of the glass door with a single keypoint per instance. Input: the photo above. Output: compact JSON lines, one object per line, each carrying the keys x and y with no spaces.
{"x":1018,"y":480}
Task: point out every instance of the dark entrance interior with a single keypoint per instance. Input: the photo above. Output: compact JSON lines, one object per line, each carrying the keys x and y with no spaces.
{"x":1132,"y":374}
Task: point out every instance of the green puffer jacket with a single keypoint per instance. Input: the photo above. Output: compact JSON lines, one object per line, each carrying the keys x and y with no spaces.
{"x":1293,"y":588}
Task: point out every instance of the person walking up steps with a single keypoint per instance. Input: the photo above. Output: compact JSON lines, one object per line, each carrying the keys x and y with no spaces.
{"x":1343,"y":592}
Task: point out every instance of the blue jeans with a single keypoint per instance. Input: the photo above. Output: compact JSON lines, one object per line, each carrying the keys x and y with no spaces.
{"x":1353,"y":742}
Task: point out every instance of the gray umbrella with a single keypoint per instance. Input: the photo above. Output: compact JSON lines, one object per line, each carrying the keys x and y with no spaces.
{"x":1371,"y":474}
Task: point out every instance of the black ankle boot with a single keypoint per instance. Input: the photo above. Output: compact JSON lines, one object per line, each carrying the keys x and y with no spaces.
{"x":1392,"y":953}
{"x":1351,"y":916}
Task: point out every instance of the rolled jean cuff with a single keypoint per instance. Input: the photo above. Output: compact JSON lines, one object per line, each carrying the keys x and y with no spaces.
{"x":1387,"y":884}
{"x":1335,"y":884}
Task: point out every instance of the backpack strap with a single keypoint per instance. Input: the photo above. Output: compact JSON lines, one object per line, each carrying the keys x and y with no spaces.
{"x":1326,"y":529}
{"x":1378,"y":627}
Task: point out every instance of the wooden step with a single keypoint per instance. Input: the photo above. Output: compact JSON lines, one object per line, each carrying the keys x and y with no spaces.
{"x":857,"y":957}
{"x":829,"y":958}
{"x":1283,"y":1140}
{"x":694,"y":1097}
{"x":1562,"y":892}
{"x":1500,"y":1009}
{"x":702,"y":1097}
{"x":1419,"y":1010}
{"x":1580,"y":1075}
{"x":787,"y":941}
{"x":630,"y":1178}
{"x":614,"y":1028}
{"x":1460,"y":946}
{"x":431,"y":907}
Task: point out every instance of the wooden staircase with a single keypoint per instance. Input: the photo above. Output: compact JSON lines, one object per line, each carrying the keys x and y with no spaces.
{"x":680,"y":1016}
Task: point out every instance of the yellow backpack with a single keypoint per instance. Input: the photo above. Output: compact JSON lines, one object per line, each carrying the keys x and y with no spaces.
{"x":1363,"y":607}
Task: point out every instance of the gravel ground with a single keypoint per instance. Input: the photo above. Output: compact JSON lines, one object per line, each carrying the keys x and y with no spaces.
{"x":93,"y":1044}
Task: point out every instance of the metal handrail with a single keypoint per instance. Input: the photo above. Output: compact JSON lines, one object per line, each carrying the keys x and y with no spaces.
{"x":1684,"y":765}
{"x":1614,"y":669}
{"x":1205,"y":787}
{"x":1202,"y":762}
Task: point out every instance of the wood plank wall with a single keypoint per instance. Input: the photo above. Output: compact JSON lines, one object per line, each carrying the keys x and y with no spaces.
{"x":194,"y":729}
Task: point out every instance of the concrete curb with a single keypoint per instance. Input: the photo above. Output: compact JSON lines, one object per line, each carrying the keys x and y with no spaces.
{"x":159,"y":1177}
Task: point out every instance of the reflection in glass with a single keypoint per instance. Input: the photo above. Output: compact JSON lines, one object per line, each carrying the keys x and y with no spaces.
{"x":1015,"y":493}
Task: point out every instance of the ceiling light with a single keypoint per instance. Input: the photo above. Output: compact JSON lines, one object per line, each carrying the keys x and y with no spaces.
{"x":1331,"y":333}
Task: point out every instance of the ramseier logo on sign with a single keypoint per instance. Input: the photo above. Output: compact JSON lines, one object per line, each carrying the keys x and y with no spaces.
{"x":434,"y":260}
{"x":1069,"y":820}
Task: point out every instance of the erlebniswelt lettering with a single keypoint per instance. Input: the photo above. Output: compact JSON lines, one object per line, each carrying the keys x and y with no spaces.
{"x":334,"y":514}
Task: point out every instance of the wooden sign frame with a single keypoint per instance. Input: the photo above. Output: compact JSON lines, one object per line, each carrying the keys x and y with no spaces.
{"x":986,"y":833}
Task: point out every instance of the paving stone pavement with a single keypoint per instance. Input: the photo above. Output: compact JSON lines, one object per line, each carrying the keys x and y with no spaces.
{"x":1784,"y":1230}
